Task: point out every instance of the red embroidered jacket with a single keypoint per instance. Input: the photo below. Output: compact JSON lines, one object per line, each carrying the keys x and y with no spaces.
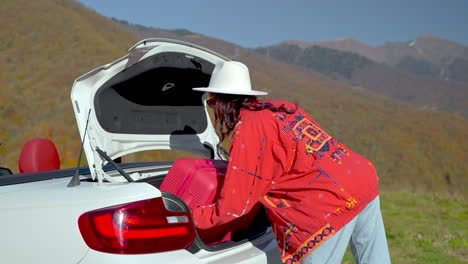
{"x":310,"y":183}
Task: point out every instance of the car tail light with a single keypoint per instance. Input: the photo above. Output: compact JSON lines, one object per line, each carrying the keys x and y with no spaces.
{"x":137,"y":228}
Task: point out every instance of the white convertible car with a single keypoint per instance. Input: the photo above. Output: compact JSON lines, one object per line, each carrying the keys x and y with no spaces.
{"x":114,"y":212}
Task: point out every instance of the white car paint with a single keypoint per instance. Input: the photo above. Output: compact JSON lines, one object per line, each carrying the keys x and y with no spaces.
{"x":39,"y":221}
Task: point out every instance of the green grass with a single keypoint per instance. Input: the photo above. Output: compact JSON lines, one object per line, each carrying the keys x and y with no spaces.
{"x":424,"y":228}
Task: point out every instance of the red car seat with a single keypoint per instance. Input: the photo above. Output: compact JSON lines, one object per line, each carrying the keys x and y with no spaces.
{"x":39,"y":154}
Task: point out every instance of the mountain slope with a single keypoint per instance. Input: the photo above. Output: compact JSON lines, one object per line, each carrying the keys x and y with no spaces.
{"x":346,"y":44}
{"x":428,"y":55}
{"x":42,"y":55}
{"x":421,"y":92}
{"x":434,"y":49}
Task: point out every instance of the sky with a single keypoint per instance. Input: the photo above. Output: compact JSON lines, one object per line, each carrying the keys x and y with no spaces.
{"x":254,"y":23}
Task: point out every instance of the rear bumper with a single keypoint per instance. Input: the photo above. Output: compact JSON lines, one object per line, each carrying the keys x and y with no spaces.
{"x":172,"y":257}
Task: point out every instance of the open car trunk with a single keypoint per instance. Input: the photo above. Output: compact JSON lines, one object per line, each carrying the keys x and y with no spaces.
{"x":155,"y":175}
{"x":144,"y":101}
{"x":257,"y":227}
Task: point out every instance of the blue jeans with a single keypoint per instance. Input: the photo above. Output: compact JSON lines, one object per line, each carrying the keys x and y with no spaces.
{"x":366,"y":236}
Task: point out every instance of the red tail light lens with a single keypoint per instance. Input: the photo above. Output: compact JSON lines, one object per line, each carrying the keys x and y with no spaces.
{"x":137,"y":228}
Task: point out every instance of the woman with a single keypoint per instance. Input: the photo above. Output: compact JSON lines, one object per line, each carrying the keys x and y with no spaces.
{"x":319,"y":194}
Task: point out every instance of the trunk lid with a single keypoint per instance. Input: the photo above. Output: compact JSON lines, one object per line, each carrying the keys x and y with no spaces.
{"x":144,"y":101}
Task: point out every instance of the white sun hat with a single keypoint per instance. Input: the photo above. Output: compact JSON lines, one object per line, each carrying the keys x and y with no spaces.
{"x":230,"y":77}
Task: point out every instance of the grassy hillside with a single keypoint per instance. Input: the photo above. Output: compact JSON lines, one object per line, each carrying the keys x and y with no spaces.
{"x":41,"y":55}
{"x":44,"y":46}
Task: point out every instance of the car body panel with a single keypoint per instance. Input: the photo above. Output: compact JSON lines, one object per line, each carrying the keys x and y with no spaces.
{"x":39,"y":225}
{"x":261,"y":250}
{"x":39,"y":222}
{"x":172,"y":257}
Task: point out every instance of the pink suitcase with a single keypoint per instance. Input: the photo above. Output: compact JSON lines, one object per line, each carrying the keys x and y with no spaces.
{"x":198,"y":182}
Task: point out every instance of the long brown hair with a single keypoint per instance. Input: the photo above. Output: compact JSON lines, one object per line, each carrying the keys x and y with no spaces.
{"x":227,"y":107}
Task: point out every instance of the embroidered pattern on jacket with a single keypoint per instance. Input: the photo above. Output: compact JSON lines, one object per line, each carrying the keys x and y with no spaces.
{"x":284,"y":236}
{"x":276,"y":202}
{"x":303,"y":128}
{"x":310,"y":244}
{"x":350,"y":200}
{"x":317,"y":138}
{"x":338,"y":154}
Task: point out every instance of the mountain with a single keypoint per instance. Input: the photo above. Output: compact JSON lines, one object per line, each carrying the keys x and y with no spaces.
{"x":41,"y":55}
{"x":419,"y":91}
{"x":433,"y":49}
{"x":428,"y":55}
{"x":345,"y":44}
{"x":431,"y":56}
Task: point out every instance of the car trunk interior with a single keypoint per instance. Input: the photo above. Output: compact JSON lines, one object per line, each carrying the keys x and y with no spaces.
{"x":155,"y":96}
